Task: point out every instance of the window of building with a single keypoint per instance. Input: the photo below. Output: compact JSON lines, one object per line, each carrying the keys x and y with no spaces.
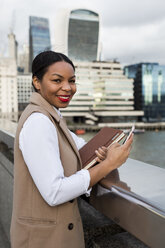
{"x":95,"y":67}
{"x":106,"y":68}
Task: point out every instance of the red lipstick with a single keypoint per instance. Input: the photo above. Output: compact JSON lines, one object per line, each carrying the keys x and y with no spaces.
{"x":64,"y":98}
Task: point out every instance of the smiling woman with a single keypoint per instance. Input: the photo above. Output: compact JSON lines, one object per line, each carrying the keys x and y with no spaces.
{"x":48,"y":173}
{"x":57,"y":85}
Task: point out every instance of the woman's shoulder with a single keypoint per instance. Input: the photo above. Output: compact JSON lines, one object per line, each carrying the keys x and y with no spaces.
{"x":38,"y":118}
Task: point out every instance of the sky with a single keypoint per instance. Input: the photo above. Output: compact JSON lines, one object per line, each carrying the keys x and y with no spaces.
{"x":131,"y":31}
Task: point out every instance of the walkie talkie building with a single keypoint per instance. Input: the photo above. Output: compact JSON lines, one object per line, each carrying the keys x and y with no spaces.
{"x":83,"y":35}
{"x":77,"y":34}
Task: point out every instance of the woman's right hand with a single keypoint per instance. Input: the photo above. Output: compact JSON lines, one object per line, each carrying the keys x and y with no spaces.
{"x":117,"y":154}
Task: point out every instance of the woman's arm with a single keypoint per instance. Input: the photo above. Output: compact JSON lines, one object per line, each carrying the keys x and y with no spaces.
{"x":38,"y":142}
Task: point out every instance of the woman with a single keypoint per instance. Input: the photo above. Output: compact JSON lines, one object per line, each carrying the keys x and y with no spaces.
{"x":47,"y":168}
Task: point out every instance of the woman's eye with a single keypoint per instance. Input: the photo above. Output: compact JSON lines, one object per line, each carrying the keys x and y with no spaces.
{"x":72,"y":81}
{"x":57,"y":80}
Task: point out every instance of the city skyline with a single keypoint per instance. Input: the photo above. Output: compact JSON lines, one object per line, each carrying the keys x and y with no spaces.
{"x":131,"y":31}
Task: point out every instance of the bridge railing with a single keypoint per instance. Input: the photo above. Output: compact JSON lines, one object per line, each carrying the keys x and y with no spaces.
{"x":133,"y":196}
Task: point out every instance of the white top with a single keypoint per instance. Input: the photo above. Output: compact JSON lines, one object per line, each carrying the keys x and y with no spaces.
{"x":38,"y":142}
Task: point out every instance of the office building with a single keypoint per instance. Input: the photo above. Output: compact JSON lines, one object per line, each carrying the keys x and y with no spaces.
{"x":104,"y":94}
{"x":39,"y":37}
{"x":149,"y":86}
{"x":24,"y":85}
{"x":77,"y":34}
{"x":8,"y":89}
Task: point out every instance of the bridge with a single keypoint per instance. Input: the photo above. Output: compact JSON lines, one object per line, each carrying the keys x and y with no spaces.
{"x":126,"y":209}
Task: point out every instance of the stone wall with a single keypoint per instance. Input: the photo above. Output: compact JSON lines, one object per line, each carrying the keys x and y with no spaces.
{"x":6,"y":193}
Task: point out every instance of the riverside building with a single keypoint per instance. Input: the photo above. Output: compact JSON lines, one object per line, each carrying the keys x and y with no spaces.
{"x":104,"y":94}
{"x":149,"y":89}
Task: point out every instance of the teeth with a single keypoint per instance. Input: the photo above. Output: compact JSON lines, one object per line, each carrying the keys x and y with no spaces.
{"x":64,"y":97}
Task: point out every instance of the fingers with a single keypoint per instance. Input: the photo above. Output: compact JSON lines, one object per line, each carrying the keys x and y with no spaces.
{"x":123,"y":151}
{"x":101,"y":153}
{"x":128,"y":143}
{"x":104,"y":148}
{"x":116,"y":144}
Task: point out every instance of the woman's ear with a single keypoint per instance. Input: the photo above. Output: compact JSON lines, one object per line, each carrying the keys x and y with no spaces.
{"x":36,"y":83}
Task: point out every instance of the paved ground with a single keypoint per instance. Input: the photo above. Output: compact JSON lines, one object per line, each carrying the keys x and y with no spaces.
{"x":3,"y":239}
{"x":101,"y":232}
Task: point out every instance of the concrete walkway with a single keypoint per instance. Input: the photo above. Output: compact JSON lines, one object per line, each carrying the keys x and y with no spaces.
{"x":101,"y":232}
{"x":4,"y":243}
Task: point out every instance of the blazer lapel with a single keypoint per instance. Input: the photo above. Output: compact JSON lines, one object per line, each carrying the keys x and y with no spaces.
{"x":65,"y":130}
{"x":37,"y":99}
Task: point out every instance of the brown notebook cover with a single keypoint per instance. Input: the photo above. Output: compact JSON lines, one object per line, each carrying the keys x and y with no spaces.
{"x":105,"y":137}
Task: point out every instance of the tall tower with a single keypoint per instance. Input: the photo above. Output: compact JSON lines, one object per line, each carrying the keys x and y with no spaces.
{"x":39,"y":37}
{"x":77,"y":34}
{"x":23,"y":59}
{"x":12,"y":46}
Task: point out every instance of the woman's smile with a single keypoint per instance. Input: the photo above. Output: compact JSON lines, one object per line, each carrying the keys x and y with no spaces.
{"x":64,"y":98}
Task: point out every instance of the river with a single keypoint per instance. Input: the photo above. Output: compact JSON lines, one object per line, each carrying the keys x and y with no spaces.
{"x":148,"y":147}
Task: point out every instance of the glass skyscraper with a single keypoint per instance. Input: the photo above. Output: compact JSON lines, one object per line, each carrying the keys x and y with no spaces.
{"x":39,"y":37}
{"x":149,"y":88}
{"x":83,"y":35}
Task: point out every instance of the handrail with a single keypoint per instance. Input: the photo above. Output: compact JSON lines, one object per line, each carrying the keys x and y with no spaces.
{"x":133,"y":196}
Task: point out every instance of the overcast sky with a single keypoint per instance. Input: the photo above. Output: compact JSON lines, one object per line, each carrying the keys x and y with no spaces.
{"x":131,"y":31}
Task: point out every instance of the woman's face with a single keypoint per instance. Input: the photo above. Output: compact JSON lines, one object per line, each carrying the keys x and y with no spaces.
{"x":58,"y":84}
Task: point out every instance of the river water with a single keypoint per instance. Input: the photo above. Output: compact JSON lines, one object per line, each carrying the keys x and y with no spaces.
{"x":148,"y":147}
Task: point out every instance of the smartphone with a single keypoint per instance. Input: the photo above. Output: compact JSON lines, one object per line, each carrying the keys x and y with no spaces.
{"x":132,"y":130}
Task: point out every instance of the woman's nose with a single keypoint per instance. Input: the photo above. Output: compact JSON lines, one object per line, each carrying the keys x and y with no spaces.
{"x":66,"y":86}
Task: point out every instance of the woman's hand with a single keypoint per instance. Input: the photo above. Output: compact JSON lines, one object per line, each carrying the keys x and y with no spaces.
{"x":117,"y":154}
{"x":101,"y":154}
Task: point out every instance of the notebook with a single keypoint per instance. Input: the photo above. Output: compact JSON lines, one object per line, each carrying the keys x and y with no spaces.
{"x":105,"y":137}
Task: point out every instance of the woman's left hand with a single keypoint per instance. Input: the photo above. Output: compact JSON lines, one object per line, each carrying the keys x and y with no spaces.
{"x":101,"y":154}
